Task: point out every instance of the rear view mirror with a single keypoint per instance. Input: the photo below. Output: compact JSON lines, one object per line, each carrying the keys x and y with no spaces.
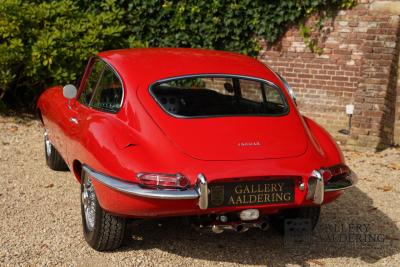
{"x":70,"y":91}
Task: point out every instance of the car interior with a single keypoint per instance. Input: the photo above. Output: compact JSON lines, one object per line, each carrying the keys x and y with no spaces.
{"x":189,"y":102}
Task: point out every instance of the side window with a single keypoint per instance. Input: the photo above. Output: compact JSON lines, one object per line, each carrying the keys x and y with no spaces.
{"x":108,"y":94}
{"x":251,"y":90}
{"x":273,"y":95}
{"x":91,"y":82}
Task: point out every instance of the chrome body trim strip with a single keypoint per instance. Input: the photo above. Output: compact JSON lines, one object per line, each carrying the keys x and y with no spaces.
{"x":136,"y":190}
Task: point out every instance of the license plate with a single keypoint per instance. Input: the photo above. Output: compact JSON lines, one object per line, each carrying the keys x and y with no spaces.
{"x":251,"y":193}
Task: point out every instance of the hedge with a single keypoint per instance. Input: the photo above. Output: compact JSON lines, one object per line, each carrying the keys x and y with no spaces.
{"x":43,"y":43}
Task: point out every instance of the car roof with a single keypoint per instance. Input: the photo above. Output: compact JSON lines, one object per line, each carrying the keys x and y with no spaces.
{"x":147,"y":65}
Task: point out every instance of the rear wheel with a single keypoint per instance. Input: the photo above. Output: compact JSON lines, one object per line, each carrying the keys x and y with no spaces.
{"x":308,"y":213}
{"x":53,"y":157}
{"x":102,"y":230}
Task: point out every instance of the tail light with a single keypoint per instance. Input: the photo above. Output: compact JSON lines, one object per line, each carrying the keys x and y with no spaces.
{"x":334,"y":171}
{"x":328,"y":179}
{"x":338,"y":177}
{"x":163,"y":180}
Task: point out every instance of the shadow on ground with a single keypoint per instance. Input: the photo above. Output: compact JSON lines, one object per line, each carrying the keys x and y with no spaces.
{"x":352,"y":212}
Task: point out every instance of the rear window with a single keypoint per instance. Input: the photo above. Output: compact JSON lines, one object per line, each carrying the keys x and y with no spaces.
{"x":207,"y":96}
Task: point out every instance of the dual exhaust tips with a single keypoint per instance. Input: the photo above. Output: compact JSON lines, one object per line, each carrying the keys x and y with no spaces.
{"x":240,"y":227}
{"x":243,"y":221}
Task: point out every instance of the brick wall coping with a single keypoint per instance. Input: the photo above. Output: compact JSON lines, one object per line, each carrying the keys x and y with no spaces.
{"x":386,"y":6}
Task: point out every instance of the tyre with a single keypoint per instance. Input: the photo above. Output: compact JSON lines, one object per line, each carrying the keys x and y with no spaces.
{"x":308,"y":213}
{"x":102,"y":230}
{"x":53,"y":157}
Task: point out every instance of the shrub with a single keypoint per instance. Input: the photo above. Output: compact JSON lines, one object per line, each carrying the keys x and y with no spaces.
{"x":48,"y":42}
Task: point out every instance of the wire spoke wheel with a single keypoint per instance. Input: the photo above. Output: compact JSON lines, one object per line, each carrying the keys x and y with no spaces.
{"x":89,"y":203}
{"x":102,"y":230}
{"x":53,"y":158}
{"x":47,"y":144}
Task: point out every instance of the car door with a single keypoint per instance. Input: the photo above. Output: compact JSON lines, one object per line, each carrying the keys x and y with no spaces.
{"x":79,"y":110}
{"x":100,"y":98}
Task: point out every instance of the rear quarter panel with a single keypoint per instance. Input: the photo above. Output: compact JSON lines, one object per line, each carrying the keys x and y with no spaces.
{"x":331,"y":152}
{"x":50,"y":104}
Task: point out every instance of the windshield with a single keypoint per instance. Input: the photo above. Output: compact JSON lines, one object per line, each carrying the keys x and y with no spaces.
{"x":205,"y":96}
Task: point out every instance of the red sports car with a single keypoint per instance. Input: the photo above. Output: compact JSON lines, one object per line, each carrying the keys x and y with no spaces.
{"x":212,"y":136}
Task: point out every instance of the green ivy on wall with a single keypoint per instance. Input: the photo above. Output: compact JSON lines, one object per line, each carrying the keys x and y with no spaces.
{"x":48,"y":42}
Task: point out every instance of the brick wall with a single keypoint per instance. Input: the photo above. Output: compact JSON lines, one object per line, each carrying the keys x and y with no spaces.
{"x":359,"y":66}
{"x":397,"y":116}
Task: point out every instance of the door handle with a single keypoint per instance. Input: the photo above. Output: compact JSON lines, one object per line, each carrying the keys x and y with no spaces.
{"x":73,"y":120}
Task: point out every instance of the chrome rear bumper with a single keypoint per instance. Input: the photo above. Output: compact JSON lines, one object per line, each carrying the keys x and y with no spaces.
{"x":199,"y":191}
{"x":316,"y":187}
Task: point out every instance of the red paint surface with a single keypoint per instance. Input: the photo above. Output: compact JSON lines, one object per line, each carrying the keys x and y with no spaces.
{"x":141,"y":137}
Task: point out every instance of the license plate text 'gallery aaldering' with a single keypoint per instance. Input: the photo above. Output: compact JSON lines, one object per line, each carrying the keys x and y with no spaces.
{"x":251,"y":193}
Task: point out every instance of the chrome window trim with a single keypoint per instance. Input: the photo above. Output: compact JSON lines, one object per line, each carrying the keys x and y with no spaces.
{"x":84,"y":81}
{"x":219,"y":75}
{"x":97,"y":84}
{"x":288,"y":87}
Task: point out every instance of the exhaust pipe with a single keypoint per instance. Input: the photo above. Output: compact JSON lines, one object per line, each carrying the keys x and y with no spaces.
{"x":264,"y":226}
{"x":219,"y":228}
{"x":239,"y":227}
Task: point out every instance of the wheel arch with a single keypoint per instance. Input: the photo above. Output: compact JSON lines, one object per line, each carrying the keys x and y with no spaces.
{"x":77,"y":169}
{"x":39,"y":115}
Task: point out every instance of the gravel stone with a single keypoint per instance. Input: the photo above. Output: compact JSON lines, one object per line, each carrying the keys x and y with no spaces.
{"x":41,"y":222}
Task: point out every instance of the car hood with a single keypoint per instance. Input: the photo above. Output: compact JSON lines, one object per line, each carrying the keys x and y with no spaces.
{"x":237,"y":138}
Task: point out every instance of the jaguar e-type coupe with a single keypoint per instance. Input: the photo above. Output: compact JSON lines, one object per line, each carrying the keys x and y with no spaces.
{"x":207,"y":135}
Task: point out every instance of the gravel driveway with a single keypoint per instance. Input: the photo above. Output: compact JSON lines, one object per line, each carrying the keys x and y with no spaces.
{"x":41,"y":221}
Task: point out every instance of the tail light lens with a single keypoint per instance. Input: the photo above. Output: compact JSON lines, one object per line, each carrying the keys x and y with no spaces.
{"x":335,"y":171}
{"x":338,"y":177}
{"x":163,"y":180}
